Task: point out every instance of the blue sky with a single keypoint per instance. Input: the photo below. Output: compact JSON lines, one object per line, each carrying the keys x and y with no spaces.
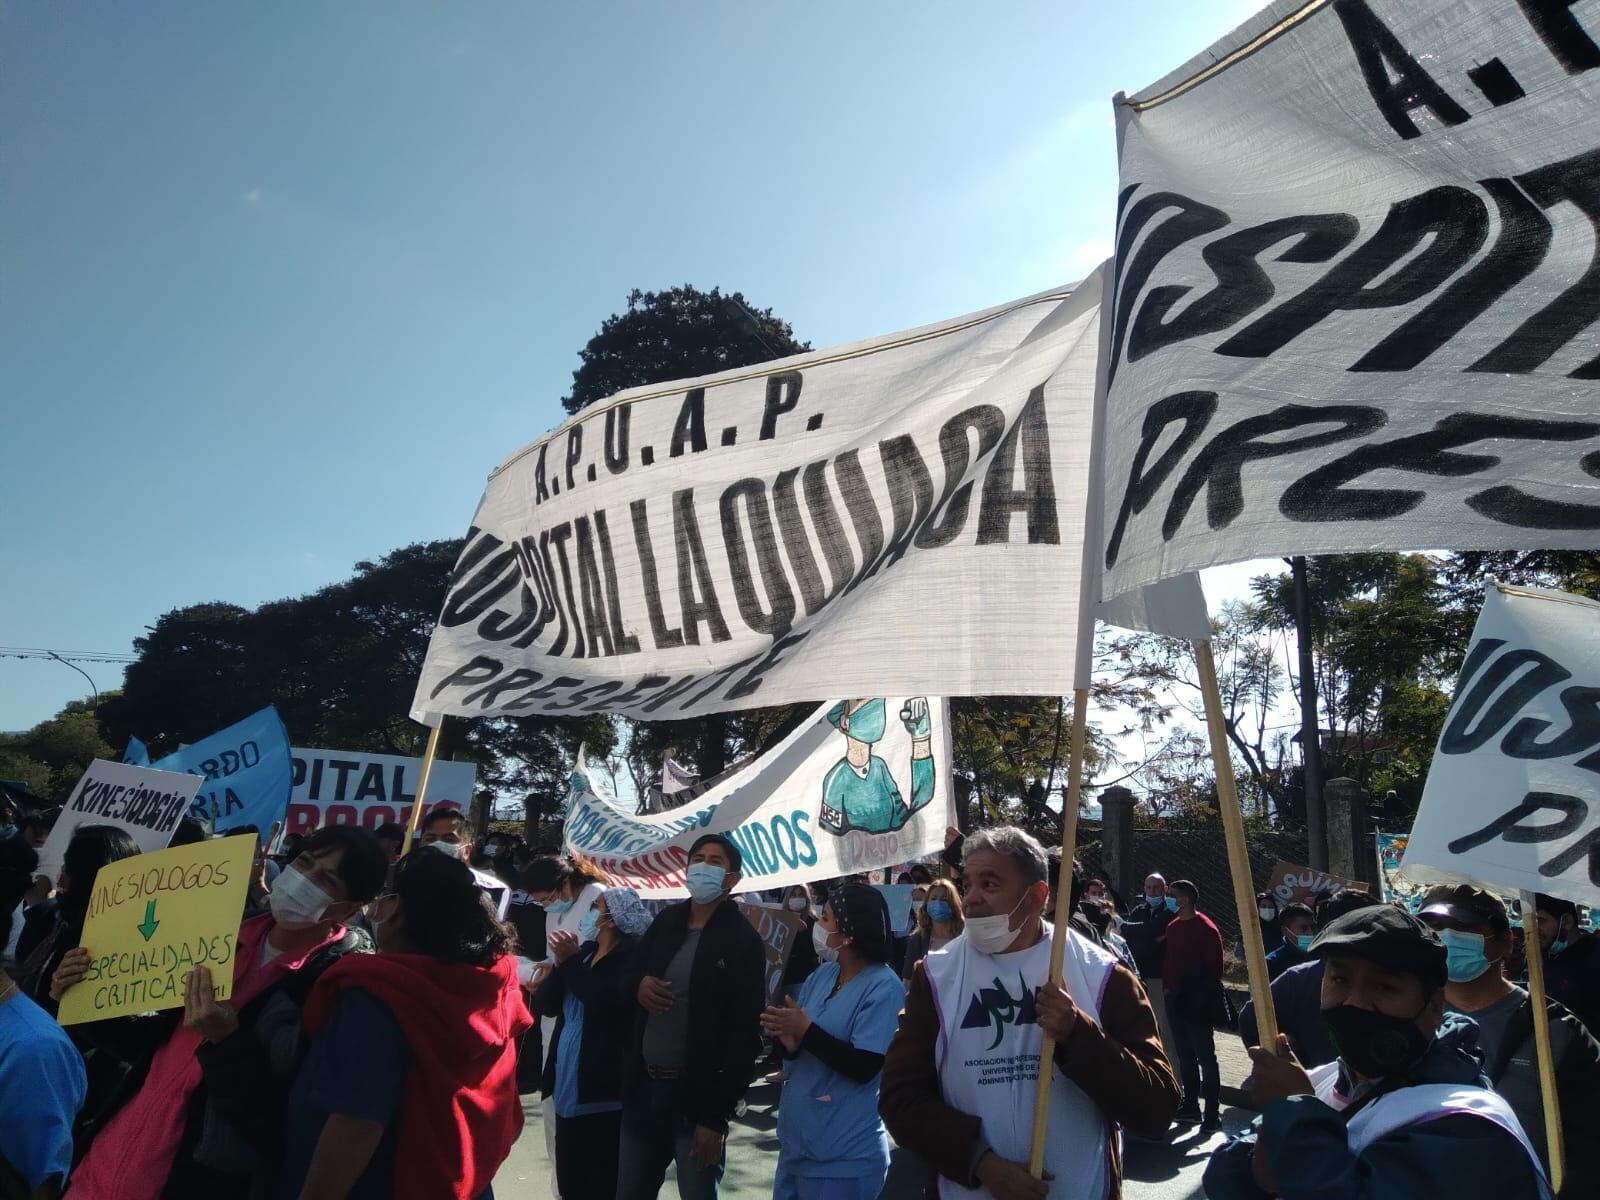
{"x":279,"y":284}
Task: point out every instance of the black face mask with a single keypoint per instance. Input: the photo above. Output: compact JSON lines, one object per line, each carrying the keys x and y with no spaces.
{"x":1374,"y":1044}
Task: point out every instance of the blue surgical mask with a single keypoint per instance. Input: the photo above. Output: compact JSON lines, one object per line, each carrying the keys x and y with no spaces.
{"x":1302,"y":941}
{"x":866,"y":723}
{"x":557,"y":907}
{"x":939,"y":910}
{"x":1557,"y":946}
{"x":589,"y":927}
{"x":1172,"y":904}
{"x":704,"y":881}
{"x":1464,"y":956}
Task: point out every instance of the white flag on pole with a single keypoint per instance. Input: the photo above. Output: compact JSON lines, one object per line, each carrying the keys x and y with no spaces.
{"x":1354,"y":297}
{"x":1511,"y":797}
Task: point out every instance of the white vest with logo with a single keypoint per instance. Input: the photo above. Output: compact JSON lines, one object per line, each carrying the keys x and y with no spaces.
{"x":988,"y":1057}
{"x":1415,"y":1105}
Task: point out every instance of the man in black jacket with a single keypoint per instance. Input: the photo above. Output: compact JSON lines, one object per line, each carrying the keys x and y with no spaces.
{"x":699,"y":979}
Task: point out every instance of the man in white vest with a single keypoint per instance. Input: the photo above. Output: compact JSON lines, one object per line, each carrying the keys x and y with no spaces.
{"x":1403,"y":1112}
{"x":958,"y":1081}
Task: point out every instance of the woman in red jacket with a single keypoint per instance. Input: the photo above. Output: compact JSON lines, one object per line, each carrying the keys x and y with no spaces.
{"x":409,"y":1088}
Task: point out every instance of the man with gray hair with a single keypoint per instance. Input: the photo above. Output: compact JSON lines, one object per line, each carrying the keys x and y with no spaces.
{"x":958,"y":1080}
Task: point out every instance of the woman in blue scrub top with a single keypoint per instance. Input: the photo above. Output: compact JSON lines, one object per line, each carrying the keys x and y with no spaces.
{"x":833,"y":1145}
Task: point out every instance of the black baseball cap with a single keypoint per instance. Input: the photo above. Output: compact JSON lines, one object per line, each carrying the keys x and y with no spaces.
{"x":734,"y":855}
{"x":1389,"y":937}
{"x":1463,"y":904}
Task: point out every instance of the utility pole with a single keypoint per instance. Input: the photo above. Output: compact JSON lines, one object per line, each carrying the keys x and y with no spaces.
{"x":1310,"y":733}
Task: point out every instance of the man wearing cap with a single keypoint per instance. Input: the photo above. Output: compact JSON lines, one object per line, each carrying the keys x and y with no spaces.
{"x":1402,"y":1113}
{"x":699,"y":976}
{"x":1571,"y":959}
{"x":1476,"y":933}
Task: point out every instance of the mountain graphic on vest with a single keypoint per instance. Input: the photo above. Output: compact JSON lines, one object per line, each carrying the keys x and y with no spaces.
{"x":997,"y":1007}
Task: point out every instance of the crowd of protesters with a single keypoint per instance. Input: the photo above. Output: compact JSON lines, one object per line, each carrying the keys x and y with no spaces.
{"x":387,"y":1013}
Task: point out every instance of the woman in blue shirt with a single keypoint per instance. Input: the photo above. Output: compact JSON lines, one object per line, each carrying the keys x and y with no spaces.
{"x":832,"y":1144}
{"x":583,"y":1075}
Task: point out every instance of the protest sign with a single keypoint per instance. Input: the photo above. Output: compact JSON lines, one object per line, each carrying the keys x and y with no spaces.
{"x":862,"y":784}
{"x":807,"y":528}
{"x":246,"y":772}
{"x":778,"y":931}
{"x":155,"y":917}
{"x":146,"y":802}
{"x":1291,"y":883}
{"x":897,"y":896}
{"x":1392,"y":886}
{"x":1354,"y":289}
{"x":1510,"y":795}
{"x":342,"y":787}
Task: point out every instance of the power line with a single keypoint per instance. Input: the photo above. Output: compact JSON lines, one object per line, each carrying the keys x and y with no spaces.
{"x":105,"y":656}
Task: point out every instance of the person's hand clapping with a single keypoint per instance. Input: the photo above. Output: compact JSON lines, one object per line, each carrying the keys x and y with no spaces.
{"x":74,"y":965}
{"x":211,"y":1018}
{"x":655,"y":994}
{"x":787,"y":1023}
{"x":563,"y":945}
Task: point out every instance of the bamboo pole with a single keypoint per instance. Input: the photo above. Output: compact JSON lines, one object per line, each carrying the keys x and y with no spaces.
{"x":422,"y":787}
{"x":1244,"y":896}
{"x":1058,"y":943}
{"x":1541,"y":1043}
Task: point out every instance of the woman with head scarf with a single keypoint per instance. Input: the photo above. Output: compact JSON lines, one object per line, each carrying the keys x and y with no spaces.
{"x":832,"y":1142}
{"x":583,"y":1075}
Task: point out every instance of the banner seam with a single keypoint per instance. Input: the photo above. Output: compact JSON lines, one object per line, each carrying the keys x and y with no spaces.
{"x":1260,"y":41}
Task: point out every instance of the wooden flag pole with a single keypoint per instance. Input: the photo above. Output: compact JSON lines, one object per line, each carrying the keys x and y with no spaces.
{"x":1541,"y":1043}
{"x":1244,"y":896}
{"x":422,"y":787}
{"x":1058,"y":943}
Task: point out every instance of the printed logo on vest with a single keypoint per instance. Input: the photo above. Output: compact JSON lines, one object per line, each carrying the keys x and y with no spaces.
{"x":997,"y":1007}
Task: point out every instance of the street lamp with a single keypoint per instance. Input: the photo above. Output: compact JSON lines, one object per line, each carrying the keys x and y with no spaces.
{"x":80,"y":671}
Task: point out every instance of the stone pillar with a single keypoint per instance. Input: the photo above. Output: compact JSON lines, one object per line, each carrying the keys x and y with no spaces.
{"x":1346,"y":804}
{"x":1116,"y":839}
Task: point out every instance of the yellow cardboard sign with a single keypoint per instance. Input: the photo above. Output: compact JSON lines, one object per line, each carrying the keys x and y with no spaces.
{"x":155,"y":917}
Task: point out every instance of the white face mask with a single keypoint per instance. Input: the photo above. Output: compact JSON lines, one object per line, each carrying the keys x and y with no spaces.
{"x":991,"y":935}
{"x":819,"y":939}
{"x":798,"y":904}
{"x":297,"y":902}
{"x":450,"y":849}
{"x":916,"y":905}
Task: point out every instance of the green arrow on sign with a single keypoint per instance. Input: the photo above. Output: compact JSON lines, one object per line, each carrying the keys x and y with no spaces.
{"x":150,"y":922}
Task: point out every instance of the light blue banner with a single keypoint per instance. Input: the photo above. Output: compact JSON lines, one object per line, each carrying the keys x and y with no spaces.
{"x":136,"y":755}
{"x":248,"y":773}
{"x":898,"y":897}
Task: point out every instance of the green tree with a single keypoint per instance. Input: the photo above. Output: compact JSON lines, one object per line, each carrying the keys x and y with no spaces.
{"x":1388,"y":640}
{"x":49,"y":758}
{"x":341,"y":666}
{"x":680,"y":333}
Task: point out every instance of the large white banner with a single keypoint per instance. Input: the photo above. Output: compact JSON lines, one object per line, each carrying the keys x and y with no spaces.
{"x":1511,"y":797}
{"x":863,"y":784}
{"x":147,"y":803}
{"x":1356,"y":288}
{"x":343,"y":787}
{"x":899,"y":514}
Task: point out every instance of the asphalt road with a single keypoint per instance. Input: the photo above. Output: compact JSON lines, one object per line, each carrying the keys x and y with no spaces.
{"x":1154,"y":1171}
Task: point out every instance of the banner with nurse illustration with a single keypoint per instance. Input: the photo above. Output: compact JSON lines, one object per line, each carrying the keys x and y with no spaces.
{"x":863,"y":784}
